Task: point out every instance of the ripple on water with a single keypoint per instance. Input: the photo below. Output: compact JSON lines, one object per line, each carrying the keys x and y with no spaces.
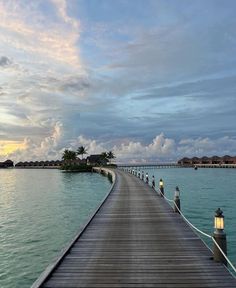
{"x":201,"y":193}
{"x":41,"y":211}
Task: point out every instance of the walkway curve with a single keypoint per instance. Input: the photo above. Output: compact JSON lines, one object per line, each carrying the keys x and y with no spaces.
{"x":136,"y":240}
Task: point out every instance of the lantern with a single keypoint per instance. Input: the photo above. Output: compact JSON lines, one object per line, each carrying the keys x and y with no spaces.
{"x":177,"y":192}
{"x":161,"y":183}
{"x":219,"y":219}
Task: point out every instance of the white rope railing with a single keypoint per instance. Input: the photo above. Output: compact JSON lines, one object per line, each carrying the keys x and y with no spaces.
{"x":194,"y":227}
{"x":186,"y":220}
{"x":198,"y":230}
{"x":222,"y":252}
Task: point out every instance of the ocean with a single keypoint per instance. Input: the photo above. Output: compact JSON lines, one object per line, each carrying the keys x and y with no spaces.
{"x":202,"y":191}
{"x":42,"y":210}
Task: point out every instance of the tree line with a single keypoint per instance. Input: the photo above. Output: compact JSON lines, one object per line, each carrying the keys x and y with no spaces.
{"x":71,"y":156}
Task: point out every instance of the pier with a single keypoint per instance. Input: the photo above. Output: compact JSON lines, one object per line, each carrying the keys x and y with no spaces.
{"x":135,"y":239}
{"x":152,"y":166}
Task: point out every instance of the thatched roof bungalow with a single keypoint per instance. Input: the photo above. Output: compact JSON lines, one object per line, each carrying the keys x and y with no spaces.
{"x":216,"y":160}
{"x":195,"y":160}
{"x":229,"y":160}
{"x":185,"y":161}
{"x":35,"y":164}
{"x":205,"y":160}
{"x":7,"y":164}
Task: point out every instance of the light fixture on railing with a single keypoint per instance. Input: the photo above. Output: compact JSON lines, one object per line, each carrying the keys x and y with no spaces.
{"x":177,"y":192}
{"x":161,"y":183}
{"x":161,"y":187}
{"x":177,"y":200}
{"x":220,"y":238}
{"x":219,"y":220}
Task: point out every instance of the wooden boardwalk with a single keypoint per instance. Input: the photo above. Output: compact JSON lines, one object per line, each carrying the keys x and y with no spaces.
{"x":136,"y":240}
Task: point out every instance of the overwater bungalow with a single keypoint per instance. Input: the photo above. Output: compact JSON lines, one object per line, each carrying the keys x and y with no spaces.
{"x":228,"y":159}
{"x":216,"y":160}
{"x":205,"y":160}
{"x":7,"y":164}
{"x":185,"y":161}
{"x":19,"y":164}
{"x":58,"y":163}
{"x":196,"y":160}
{"x":39,"y":164}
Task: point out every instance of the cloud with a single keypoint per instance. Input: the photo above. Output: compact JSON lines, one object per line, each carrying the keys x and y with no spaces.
{"x":75,"y":84}
{"x":119,"y":80}
{"x":130,"y":151}
{"x":206,"y":146}
{"x":48,"y":148}
{"x":209,"y":87}
{"x":4,"y":61}
{"x":160,"y":149}
{"x":45,"y":82}
{"x":8,"y":147}
{"x":54,"y":41}
{"x":61,"y":6}
{"x":182,"y":56}
{"x":93,"y":147}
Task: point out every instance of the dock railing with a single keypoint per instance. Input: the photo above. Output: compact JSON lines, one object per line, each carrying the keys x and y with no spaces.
{"x":221,"y":254}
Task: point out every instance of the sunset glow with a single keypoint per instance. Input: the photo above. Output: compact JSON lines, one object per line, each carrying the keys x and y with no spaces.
{"x":9,"y":147}
{"x":152,"y":80}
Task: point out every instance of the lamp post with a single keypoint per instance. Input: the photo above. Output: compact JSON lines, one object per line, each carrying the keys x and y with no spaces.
{"x":161,"y":187}
{"x":220,"y":237}
{"x":177,"y":200}
{"x":153,"y":182}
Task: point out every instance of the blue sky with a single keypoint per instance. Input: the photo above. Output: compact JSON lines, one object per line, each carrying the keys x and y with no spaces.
{"x":150,"y":80}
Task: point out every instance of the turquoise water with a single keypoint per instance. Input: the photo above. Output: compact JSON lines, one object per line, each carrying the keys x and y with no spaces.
{"x":40,"y":212}
{"x":202,"y":192}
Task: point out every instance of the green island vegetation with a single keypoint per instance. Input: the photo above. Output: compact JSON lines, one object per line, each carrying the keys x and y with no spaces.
{"x":72,"y":163}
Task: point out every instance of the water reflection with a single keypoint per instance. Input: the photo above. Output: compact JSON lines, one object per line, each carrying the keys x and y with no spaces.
{"x":41,"y":211}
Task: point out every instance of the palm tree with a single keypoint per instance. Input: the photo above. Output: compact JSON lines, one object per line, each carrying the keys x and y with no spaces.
{"x":69,"y":156}
{"x":81,"y":151}
{"x":110,"y":156}
{"x":103,"y":157}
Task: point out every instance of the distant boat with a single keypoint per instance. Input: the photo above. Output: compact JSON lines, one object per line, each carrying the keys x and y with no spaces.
{"x":195,"y":168}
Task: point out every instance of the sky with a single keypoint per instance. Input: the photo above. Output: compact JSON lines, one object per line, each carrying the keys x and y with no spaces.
{"x":151,"y":80}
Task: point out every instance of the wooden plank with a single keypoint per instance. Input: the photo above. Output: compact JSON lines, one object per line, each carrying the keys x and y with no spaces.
{"x":135,"y":240}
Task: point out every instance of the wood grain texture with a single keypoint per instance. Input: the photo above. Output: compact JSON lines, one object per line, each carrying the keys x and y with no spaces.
{"x":136,"y":240}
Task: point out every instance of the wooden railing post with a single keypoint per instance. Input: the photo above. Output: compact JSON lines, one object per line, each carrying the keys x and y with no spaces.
{"x":220,"y":238}
{"x":177,"y":200}
{"x":153,"y":182}
{"x":161,"y":187}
